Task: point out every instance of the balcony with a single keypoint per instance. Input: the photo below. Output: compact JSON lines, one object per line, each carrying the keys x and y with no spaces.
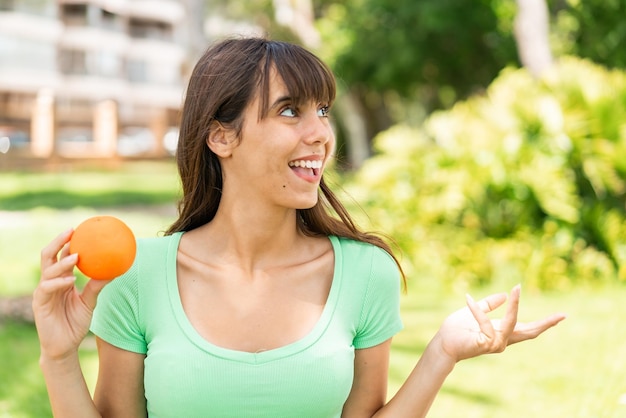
{"x":172,"y":12}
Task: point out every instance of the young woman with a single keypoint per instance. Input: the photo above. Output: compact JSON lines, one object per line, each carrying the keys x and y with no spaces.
{"x":263,"y":299}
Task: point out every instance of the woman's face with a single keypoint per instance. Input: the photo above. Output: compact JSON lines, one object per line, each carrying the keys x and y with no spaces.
{"x":280,"y":158}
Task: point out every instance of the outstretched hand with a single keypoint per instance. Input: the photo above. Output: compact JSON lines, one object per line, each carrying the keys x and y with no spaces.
{"x":469,"y":332}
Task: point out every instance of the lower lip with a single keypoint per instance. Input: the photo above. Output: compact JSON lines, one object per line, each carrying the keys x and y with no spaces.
{"x":304,"y":174}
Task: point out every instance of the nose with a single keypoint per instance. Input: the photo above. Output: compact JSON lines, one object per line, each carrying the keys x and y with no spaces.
{"x":317,"y":129}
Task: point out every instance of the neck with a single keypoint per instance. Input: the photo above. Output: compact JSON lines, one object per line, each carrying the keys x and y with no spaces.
{"x":252,"y":238}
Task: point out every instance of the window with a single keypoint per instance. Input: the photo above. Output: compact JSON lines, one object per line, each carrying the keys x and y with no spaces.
{"x":74,"y":14}
{"x":75,"y":134}
{"x":111,"y":21}
{"x":36,"y":7}
{"x":7,"y":5}
{"x":73,"y":61}
{"x":73,"y":111}
{"x":29,"y":54}
{"x":137,"y":71}
{"x":150,"y":29}
{"x":109,"y":64}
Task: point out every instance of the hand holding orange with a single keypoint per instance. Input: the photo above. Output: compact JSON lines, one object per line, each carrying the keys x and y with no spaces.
{"x":105,"y":245}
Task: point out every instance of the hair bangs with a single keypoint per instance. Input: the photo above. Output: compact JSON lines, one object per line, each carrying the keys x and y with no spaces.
{"x":305,"y":76}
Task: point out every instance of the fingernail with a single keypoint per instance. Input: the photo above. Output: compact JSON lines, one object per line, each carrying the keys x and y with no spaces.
{"x":73,"y":257}
{"x":469,"y":298}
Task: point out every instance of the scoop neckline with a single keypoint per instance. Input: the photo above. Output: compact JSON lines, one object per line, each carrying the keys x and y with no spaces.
{"x":297,"y":346}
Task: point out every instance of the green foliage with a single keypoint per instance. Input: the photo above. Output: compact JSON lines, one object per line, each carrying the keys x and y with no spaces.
{"x":259,"y":13}
{"x":416,"y":48}
{"x":527,"y":182}
{"x":593,"y":29}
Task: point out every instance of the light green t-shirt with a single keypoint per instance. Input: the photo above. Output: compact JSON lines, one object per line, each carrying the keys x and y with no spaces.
{"x":185,"y":376}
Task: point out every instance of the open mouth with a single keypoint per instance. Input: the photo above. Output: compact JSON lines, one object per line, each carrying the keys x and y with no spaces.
{"x":306,"y":167}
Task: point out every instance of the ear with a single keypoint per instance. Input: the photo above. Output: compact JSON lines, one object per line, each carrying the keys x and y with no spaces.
{"x":221,"y":140}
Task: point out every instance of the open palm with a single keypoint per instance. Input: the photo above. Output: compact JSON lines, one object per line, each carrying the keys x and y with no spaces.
{"x":469,"y":332}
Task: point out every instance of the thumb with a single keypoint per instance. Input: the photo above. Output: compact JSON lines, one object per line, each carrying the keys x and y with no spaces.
{"x":91,"y":291}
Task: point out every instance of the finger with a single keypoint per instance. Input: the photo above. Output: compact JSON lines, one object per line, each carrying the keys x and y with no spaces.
{"x":64,"y":267}
{"x":65,"y":251}
{"x":492,"y":302}
{"x":510,"y":318}
{"x":528,"y":331}
{"x":48,"y":289}
{"x":49,"y":252}
{"x":91,"y":291}
{"x":484,"y":323}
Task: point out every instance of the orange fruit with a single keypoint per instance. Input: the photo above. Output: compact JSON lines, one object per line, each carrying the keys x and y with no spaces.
{"x":105,"y":245}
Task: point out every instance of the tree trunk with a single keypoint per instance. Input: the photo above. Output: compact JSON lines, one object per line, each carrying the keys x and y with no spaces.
{"x":532,"y":35}
{"x":355,"y":127}
{"x":298,"y":16}
{"x":197,"y":41}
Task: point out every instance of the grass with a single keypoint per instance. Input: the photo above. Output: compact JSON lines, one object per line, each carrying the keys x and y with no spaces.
{"x":35,"y":207}
{"x":145,"y":183}
{"x":22,"y":390}
{"x":573,"y":371}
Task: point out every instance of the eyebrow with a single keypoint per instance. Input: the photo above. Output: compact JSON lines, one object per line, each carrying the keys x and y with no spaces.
{"x":280,"y":101}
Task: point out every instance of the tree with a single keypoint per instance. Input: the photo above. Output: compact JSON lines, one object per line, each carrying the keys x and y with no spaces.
{"x":594,"y":29}
{"x":404,"y":59}
{"x":532,"y":31}
{"x":394,"y":60}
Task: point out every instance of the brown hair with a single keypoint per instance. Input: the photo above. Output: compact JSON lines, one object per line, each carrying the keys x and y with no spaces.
{"x":223,"y":82}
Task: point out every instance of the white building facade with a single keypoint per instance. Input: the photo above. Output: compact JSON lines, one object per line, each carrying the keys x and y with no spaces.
{"x":90,"y":78}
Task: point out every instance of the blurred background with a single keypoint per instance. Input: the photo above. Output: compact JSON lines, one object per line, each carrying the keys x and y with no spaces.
{"x":486,"y":137}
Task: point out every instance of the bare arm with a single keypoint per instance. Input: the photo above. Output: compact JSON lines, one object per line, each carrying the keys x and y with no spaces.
{"x":369,"y":388}
{"x":67,"y":390}
{"x":119,"y":391}
{"x":62,"y":316}
{"x":417,"y":394}
{"x":466,"y":333}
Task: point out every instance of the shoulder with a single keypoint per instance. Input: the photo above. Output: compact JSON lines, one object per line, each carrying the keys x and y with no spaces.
{"x":155,"y":250}
{"x":366,"y":266}
{"x":151,"y":257}
{"x":128,"y":296}
{"x":357,"y":252}
{"x":148,"y":246}
{"x":372,"y":282}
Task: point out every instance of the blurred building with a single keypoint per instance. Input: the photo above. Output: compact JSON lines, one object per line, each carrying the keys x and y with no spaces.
{"x":90,"y":78}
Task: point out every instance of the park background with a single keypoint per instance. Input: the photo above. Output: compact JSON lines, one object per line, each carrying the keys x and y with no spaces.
{"x":488,"y":138}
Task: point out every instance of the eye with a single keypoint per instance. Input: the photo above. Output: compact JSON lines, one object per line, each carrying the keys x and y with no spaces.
{"x":323,"y":111}
{"x":289,"y":112}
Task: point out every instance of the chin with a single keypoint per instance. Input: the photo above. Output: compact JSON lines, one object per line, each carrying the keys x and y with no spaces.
{"x":307,"y":203}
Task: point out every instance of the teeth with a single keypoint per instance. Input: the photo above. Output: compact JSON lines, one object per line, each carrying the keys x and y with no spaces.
{"x":306,"y":164}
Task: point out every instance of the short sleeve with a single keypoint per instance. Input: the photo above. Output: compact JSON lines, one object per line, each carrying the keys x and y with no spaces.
{"x":380,"y":315}
{"x":116,"y":317}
